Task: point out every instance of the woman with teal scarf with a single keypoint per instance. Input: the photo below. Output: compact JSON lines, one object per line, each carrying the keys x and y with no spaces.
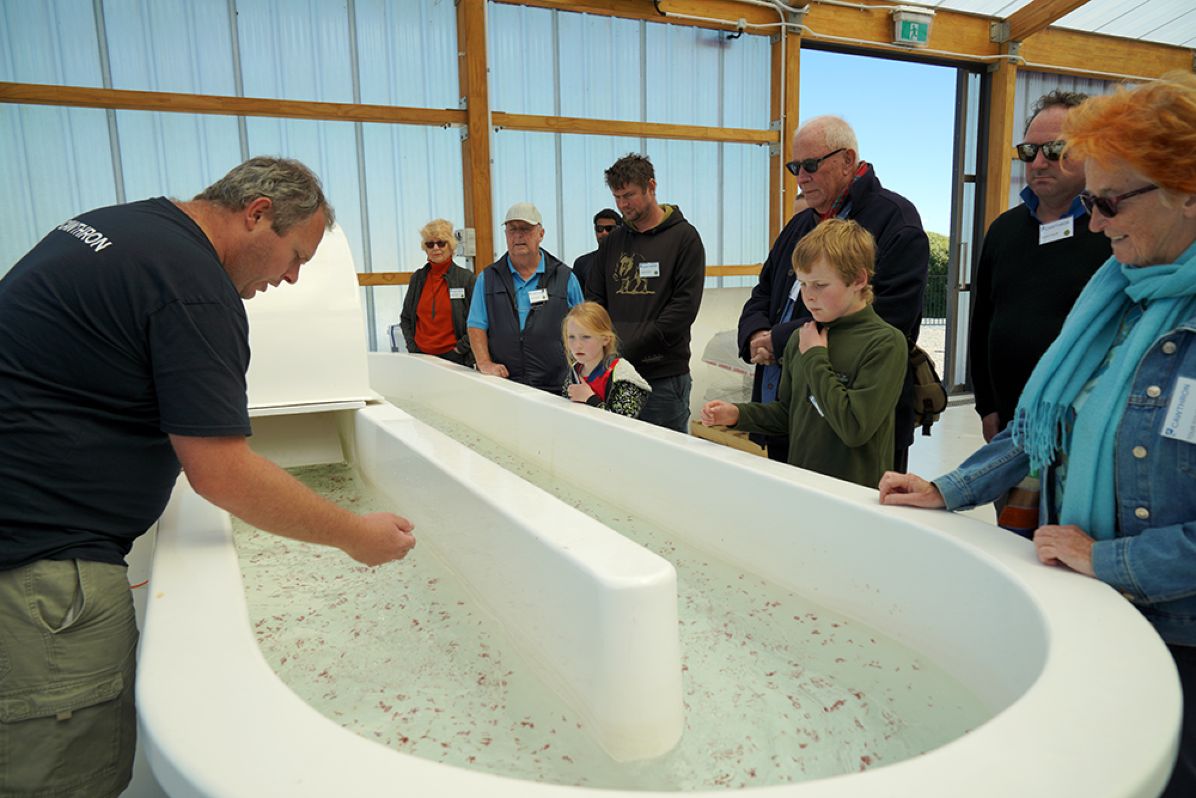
{"x":1108,"y":417}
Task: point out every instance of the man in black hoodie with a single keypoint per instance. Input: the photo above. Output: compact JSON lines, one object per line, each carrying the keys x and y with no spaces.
{"x":649,"y":274}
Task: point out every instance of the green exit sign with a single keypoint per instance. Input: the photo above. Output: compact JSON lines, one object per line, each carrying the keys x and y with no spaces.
{"x":911,"y":27}
{"x":913,"y":33}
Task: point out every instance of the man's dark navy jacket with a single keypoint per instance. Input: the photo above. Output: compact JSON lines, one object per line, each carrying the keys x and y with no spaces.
{"x":902,"y":260}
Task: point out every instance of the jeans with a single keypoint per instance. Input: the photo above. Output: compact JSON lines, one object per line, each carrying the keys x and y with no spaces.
{"x":668,"y":404}
{"x":1183,"y":778}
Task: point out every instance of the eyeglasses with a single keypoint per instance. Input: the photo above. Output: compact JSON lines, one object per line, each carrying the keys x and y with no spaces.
{"x":1108,"y":205}
{"x":435,"y":244}
{"x":604,"y":228}
{"x":1051,"y":150}
{"x":810,"y":164}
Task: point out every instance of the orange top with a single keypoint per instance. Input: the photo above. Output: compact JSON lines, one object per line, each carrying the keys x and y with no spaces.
{"x":434,"y":314}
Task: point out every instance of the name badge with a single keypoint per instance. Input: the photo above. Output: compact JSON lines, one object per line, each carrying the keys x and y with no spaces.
{"x":456,"y":293}
{"x":1055,"y":231}
{"x":538,"y":296}
{"x":649,"y":270}
{"x":1180,"y":421}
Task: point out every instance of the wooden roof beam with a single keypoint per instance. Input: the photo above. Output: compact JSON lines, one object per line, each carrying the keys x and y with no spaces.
{"x":1038,"y":15}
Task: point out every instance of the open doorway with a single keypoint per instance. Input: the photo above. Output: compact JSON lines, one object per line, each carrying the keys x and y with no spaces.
{"x":916,"y":124}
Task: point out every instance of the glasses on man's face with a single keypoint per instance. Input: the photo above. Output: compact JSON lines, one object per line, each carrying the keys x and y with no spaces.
{"x":435,"y":244}
{"x":1108,"y":205}
{"x":810,"y":164}
{"x":604,"y":228}
{"x":1051,"y":150}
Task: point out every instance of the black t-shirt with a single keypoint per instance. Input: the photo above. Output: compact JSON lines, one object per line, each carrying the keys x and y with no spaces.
{"x":119,"y":327}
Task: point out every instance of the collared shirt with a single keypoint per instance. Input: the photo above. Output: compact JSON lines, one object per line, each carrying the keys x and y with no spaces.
{"x":479,"y":317}
{"x":1075,"y":210}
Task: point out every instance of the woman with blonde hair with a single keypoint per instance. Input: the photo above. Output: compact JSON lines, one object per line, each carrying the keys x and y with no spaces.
{"x":597,"y":375}
{"x":437,"y":301}
{"x":1108,"y":417}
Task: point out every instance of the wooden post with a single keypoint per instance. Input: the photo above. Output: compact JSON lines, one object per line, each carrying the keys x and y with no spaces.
{"x":782,"y":185}
{"x":472,"y":69}
{"x":998,"y":162}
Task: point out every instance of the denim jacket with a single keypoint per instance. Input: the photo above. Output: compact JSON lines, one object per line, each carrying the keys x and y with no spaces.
{"x":1152,"y":559}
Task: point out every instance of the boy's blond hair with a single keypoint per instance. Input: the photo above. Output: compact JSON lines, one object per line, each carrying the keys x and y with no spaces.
{"x":849,"y":249}
{"x":594,"y":318}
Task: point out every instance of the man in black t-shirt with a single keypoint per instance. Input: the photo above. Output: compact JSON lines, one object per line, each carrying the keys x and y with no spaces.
{"x":123,"y":351}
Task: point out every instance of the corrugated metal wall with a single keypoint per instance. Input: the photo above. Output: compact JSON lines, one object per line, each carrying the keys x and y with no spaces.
{"x":385,"y":181}
{"x":578,"y":65}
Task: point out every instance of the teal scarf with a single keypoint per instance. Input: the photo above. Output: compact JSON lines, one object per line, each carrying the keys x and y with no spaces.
{"x":1039,"y":424}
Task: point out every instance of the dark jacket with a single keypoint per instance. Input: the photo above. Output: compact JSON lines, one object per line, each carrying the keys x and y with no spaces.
{"x":652,"y":315}
{"x":582,"y":267}
{"x":902,"y":260}
{"x":456,"y":277}
{"x":535,"y":355}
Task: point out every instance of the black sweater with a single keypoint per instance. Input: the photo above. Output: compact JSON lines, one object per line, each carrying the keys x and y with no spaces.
{"x":1022,"y":292}
{"x":652,"y":315}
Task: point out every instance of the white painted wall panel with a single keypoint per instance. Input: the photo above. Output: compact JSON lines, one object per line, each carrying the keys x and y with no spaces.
{"x":49,"y":42}
{"x":56,"y":163}
{"x":295,"y":49}
{"x":407,"y":52}
{"x":599,"y":59}
{"x":175,"y":155}
{"x":170,"y":45}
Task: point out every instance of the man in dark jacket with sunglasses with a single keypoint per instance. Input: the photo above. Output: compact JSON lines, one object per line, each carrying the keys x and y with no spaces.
{"x":836,"y":183}
{"x":1036,"y":259}
{"x":605,"y":221}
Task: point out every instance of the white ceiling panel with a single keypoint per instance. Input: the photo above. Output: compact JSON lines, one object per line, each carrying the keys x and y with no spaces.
{"x":1161,"y":21}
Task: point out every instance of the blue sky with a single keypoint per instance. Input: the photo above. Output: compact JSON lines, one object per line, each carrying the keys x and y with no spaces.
{"x":903,"y":115}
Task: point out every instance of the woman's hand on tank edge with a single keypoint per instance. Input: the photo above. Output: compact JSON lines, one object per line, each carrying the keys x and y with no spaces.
{"x":909,"y":490}
{"x":1065,"y":544}
{"x":384,"y":537}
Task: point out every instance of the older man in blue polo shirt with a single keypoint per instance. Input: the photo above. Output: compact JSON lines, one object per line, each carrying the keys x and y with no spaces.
{"x":519,"y":303}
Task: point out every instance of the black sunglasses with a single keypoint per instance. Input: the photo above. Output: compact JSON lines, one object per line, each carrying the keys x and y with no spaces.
{"x":810,"y":164}
{"x":1108,"y":205}
{"x":435,"y":244}
{"x":1051,"y":150}
{"x":604,"y":228}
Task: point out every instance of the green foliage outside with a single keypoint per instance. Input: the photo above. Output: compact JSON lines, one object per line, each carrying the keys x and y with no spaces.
{"x":940,"y":247}
{"x":934,"y":306}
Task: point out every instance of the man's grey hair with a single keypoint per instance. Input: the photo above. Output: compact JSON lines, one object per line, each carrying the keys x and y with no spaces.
{"x":293,"y":188}
{"x":836,"y":132}
{"x":1056,"y":98}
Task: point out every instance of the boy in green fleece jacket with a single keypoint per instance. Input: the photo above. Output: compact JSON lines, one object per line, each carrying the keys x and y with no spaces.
{"x":843,"y":371}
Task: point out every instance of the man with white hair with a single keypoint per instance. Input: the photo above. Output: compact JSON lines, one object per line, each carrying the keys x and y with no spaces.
{"x":519,"y":303}
{"x":836,"y":183}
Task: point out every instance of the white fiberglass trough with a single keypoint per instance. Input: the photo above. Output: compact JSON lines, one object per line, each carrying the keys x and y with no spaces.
{"x":1082,"y":697}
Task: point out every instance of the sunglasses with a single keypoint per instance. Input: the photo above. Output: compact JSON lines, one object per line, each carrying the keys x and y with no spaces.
{"x":810,"y":164}
{"x":1051,"y":150}
{"x":1108,"y":205}
{"x":604,"y":228}
{"x":435,"y":244}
